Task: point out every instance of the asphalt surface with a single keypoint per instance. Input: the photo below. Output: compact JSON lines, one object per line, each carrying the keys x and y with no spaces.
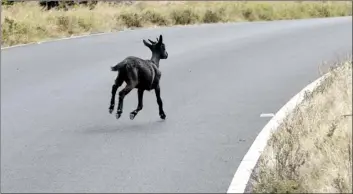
{"x":57,"y":134}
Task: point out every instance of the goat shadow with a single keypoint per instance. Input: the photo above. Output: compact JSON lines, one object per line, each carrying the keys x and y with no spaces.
{"x":124,"y":127}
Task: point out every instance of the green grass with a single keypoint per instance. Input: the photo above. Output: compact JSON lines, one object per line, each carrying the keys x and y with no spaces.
{"x":28,"y":22}
{"x":311,"y":152}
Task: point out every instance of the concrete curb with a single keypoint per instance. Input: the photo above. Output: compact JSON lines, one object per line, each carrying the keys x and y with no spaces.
{"x":247,"y":165}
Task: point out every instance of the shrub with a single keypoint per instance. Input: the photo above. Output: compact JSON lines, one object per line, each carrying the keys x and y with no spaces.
{"x":154,"y":18}
{"x":131,"y":19}
{"x":183,"y":17}
{"x":211,"y":17}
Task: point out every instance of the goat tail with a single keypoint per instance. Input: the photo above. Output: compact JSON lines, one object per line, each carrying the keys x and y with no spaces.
{"x":115,"y":68}
{"x":118,"y":66}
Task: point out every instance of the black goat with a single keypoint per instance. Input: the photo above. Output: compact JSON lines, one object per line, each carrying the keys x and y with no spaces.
{"x":141,"y":74}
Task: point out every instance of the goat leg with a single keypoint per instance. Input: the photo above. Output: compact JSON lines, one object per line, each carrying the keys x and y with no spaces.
{"x":122,"y":95}
{"x":160,"y":103}
{"x":112,"y":100}
{"x":118,"y":82}
{"x":140,"y":104}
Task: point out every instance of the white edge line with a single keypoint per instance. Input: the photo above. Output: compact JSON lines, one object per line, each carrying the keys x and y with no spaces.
{"x":128,"y":30}
{"x":245,"y":169}
{"x":55,"y":40}
{"x":112,"y":32}
{"x":153,"y":27}
{"x":79,"y":36}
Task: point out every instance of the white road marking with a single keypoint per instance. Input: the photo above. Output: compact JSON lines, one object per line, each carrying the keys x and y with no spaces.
{"x":105,"y":33}
{"x":143,"y":28}
{"x":267,"y":115}
{"x":55,"y":40}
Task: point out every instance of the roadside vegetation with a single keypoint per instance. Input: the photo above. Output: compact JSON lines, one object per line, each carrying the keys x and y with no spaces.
{"x":25,"y":22}
{"x":311,"y":152}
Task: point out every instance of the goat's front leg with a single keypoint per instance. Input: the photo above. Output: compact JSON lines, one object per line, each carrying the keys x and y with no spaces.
{"x":139,"y":105}
{"x":160,"y":103}
{"x":122,"y":95}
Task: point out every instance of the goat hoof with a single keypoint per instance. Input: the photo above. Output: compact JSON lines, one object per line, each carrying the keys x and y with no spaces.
{"x":163,"y":116}
{"x":111,"y":108}
{"x":132,"y":115}
{"x":118,"y":115}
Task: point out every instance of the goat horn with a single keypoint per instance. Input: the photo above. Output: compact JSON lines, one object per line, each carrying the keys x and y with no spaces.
{"x":146,"y":43}
{"x":151,"y":41}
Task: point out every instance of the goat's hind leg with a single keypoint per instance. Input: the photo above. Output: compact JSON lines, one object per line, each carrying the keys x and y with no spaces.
{"x":139,"y":105}
{"x":118,"y":82}
{"x":131,"y":82}
{"x":122,"y":95}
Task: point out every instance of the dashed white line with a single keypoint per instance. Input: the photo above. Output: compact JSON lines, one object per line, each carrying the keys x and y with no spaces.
{"x":267,"y":115}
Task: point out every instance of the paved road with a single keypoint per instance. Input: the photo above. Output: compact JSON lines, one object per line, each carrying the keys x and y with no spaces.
{"x":57,"y":134}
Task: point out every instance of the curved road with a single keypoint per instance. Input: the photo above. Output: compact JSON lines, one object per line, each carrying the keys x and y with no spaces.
{"x":57,"y":134}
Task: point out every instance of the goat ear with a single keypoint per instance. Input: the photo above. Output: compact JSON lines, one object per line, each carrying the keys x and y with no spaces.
{"x":146,"y":44}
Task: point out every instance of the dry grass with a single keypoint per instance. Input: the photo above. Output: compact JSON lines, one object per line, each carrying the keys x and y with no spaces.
{"x":312,"y":151}
{"x":28,"y":22}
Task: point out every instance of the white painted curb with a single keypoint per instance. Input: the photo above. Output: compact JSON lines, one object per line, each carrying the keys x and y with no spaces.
{"x":245,"y":169}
